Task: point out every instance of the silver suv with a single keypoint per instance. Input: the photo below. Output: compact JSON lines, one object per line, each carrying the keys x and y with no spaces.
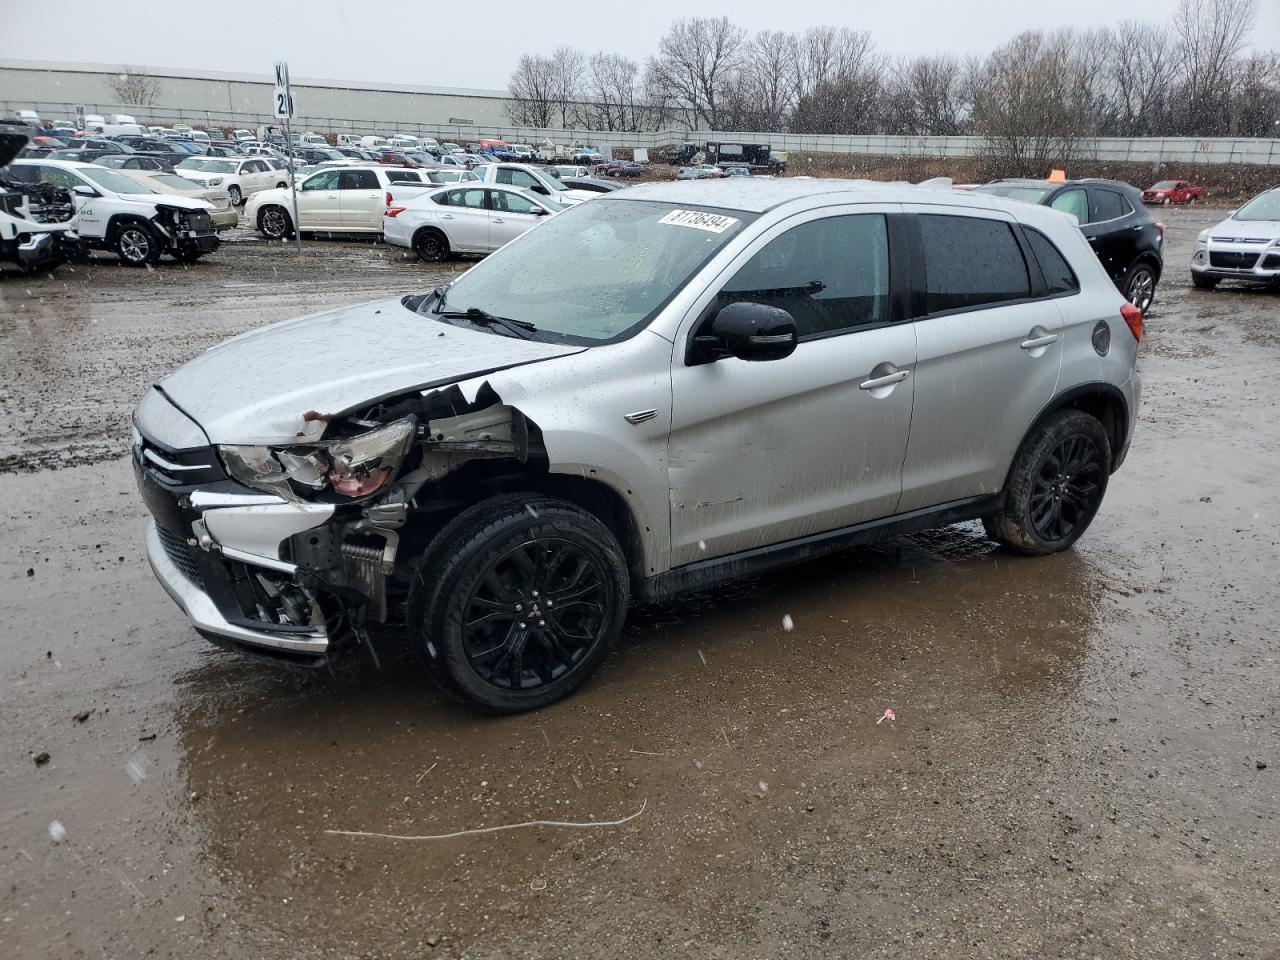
{"x":657,"y":390}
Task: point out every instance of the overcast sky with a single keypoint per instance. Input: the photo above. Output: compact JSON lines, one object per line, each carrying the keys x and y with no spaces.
{"x":477,"y":43}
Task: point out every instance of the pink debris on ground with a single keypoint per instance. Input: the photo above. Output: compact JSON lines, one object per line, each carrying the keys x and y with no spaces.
{"x":888,"y":715}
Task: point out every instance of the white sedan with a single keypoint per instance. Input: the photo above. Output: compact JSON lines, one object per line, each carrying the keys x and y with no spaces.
{"x":470,"y":219}
{"x":240,"y":178}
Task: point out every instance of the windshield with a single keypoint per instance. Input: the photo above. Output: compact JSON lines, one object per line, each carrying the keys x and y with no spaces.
{"x":1265,"y":206}
{"x":1164,"y":185}
{"x":556,"y":182}
{"x":597,"y":271}
{"x":208,"y":166}
{"x":115,"y":182}
{"x":1015,"y":191}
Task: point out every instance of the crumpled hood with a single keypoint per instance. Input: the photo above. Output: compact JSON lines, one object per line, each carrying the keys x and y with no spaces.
{"x":1247,"y":229}
{"x":255,"y":388}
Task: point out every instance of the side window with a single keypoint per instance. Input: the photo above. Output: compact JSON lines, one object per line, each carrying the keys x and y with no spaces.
{"x":511,"y":202}
{"x":504,"y":175}
{"x":1108,"y":205}
{"x":970,"y":262}
{"x":328,"y":180}
{"x":23,"y":173}
{"x":357,"y":180}
{"x":58,"y":177}
{"x":405,"y":175}
{"x":830,"y":274}
{"x":467,"y":198}
{"x":527,"y":180}
{"x":1073,"y":201}
{"x":1058,"y":276}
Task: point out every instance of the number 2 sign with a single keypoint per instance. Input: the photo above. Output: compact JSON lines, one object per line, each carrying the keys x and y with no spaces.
{"x":283,"y":99}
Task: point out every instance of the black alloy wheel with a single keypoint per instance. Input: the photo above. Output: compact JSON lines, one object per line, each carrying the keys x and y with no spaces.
{"x":1066,"y":490}
{"x":534,"y":614}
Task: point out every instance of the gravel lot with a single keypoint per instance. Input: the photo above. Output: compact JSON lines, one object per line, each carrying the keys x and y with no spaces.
{"x":1084,"y":759}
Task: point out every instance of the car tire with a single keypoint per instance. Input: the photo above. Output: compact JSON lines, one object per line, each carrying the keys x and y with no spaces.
{"x":1055,"y":487}
{"x":274,"y":223}
{"x":430,"y":245}
{"x":514,"y":557}
{"x":1203,"y":283}
{"x":234,"y":195}
{"x":282,"y":185}
{"x":1140,"y":286}
{"x":137,"y":245}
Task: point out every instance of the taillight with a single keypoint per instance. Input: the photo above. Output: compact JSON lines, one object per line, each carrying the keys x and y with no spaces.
{"x":1133,"y":320}
{"x":1160,"y":231}
{"x":395,"y":211}
{"x":388,"y":198}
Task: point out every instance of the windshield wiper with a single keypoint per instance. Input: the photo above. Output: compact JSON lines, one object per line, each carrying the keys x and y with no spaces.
{"x":521,"y":328}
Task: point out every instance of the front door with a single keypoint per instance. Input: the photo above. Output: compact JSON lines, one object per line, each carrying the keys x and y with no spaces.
{"x":465,"y":219}
{"x":762,"y":453}
{"x":989,"y":353}
{"x":319,"y":203}
{"x":510,"y":215}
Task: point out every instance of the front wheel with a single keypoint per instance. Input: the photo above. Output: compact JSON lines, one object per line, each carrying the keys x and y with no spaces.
{"x":274,"y":223}
{"x":137,"y":245}
{"x":234,"y":194}
{"x":1140,"y":286}
{"x":1055,"y":487}
{"x":517,"y":601}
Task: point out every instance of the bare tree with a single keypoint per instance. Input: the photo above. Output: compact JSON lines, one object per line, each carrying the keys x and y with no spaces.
{"x":764,"y":89}
{"x":1024,"y":102}
{"x":1211,"y":35}
{"x":612,"y":92}
{"x":567,"y":67}
{"x":695,"y":61}
{"x":1141,"y":69}
{"x":533,"y":92}
{"x":825,"y":54}
{"x":931,"y":97}
{"x":1257,"y":96}
{"x":133,"y":87}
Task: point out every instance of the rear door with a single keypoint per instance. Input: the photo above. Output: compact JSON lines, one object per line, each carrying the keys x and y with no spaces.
{"x":762,"y":453}
{"x":989,"y":350}
{"x":465,"y":219}
{"x":1111,"y":230}
{"x":362,"y":201}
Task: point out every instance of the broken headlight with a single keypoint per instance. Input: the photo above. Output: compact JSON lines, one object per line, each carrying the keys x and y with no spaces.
{"x":353,"y":467}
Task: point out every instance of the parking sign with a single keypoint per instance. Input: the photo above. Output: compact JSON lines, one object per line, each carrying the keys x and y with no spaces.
{"x":283,"y":99}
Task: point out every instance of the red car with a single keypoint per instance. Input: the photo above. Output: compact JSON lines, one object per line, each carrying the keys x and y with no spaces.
{"x":398,"y":160}
{"x":1172,"y":191}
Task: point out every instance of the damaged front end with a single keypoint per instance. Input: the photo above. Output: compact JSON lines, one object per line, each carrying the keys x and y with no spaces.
{"x":188,"y":232}
{"x":299,"y":547}
{"x":36,"y":229}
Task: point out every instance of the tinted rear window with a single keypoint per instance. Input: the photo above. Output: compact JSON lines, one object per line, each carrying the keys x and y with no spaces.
{"x":971,"y":262}
{"x":1109,"y":205}
{"x":1058,"y":276}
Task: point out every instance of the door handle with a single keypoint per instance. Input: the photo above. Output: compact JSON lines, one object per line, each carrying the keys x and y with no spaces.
{"x":1036,"y":342}
{"x":446,"y":216}
{"x":331,"y":196}
{"x":888,"y":379}
{"x":499,"y":220}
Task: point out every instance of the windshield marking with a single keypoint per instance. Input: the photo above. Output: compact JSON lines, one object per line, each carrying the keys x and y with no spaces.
{"x":699,"y":220}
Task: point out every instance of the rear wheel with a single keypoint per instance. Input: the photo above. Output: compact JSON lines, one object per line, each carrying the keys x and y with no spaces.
{"x":517,"y":601}
{"x":137,"y":245}
{"x":274,"y":223}
{"x":1055,"y":487}
{"x":236,"y":197}
{"x":1203,"y":283}
{"x":431,"y":246}
{"x":1140,"y":286}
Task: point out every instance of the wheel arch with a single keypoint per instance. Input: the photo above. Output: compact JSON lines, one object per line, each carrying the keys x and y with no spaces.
{"x":118,"y":220}
{"x":425,"y":228}
{"x":1102,"y":401}
{"x":1149,"y":258}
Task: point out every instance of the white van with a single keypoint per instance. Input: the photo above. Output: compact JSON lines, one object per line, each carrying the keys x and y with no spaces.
{"x":122,"y":129}
{"x":118,"y":118}
{"x":200,"y":136}
{"x":373,"y":143}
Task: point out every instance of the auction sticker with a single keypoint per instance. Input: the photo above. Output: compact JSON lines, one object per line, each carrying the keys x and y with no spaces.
{"x":699,"y":220}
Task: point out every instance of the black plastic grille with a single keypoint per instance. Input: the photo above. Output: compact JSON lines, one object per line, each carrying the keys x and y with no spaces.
{"x":181,"y":553}
{"x":199,"y":221}
{"x":1232,"y":259}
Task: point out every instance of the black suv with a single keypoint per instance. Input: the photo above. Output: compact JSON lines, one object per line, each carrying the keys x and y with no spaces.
{"x":1112,"y":218}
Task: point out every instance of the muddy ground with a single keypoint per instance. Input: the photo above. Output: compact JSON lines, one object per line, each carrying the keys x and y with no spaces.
{"x":1084,"y":760}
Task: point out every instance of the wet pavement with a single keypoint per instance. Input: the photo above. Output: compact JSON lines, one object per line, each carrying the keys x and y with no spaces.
{"x":1083,"y":762}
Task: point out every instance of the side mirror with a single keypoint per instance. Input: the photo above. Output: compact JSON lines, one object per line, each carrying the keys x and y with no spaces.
{"x":539,"y":211}
{"x":748,"y":331}
{"x":84,"y":190}
{"x":539,"y":188}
